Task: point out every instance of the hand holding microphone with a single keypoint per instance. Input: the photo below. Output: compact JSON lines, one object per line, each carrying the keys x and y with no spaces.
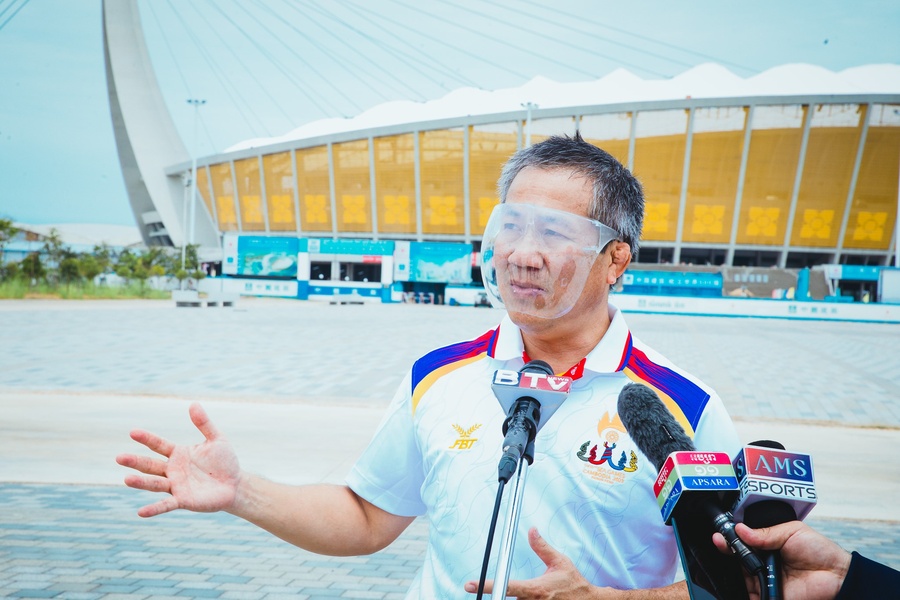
{"x":776,"y":487}
{"x":813,"y":566}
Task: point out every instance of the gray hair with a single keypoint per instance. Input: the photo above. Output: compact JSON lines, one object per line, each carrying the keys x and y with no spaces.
{"x":618,"y":197}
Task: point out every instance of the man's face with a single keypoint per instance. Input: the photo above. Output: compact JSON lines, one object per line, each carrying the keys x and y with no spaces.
{"x":545,"y":266}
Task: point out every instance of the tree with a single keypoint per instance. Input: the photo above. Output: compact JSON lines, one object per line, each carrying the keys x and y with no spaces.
{"x":7,"y":233}
{"x":124,"y":267}
{"x":141,"y":273}
{"x":56,"y":252}
{"x":104,"y":257}
{"x":181,"y":275}
{"x":89,"y":266}
{"x":32,"y":268}
{"x":191,"y":262}
{"x":197,"y":275}
{"x":68,"y":270}
{"x":12,"y":270}
{"x":124,"y":272}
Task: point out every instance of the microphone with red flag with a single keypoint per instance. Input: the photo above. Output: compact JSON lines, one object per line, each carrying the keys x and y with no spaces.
{"x":529,"y":396}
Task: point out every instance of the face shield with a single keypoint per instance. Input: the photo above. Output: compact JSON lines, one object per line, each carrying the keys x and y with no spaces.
{"x":536,"y":260}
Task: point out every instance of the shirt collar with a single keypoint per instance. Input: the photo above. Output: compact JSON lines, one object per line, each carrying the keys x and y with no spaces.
{"x":608,"y":356}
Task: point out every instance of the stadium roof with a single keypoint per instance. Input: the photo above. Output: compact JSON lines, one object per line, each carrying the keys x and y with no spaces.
{"x":704,"y":81}
{"x":88,"y":235}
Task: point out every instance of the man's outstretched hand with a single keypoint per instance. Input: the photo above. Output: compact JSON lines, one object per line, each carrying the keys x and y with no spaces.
{"x":201,"y":478}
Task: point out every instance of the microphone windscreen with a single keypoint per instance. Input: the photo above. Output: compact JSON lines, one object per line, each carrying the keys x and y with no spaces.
{"x":650,"y":424}
{"x":768,"y":444}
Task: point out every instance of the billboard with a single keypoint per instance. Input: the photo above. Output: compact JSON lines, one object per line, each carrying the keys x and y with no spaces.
{"x":436,"y":262}
{"x":267,"y":256}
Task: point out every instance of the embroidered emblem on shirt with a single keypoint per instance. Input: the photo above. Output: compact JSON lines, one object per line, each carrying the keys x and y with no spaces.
{"x":465,"y":441}
{"x":610,"y":464}
{"x":607,"y":457}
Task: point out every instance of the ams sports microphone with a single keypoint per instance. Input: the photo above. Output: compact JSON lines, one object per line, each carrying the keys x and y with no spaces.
{"x":529,"y":396}
{"x":776,"y":487}
{"x":692,"y":490}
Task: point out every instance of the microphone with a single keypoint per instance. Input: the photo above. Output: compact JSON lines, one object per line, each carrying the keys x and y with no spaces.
{"x":529,"y":396}
{"x":691,"y":490}
{"x":776,"y":487}
{"x":774,"y":483}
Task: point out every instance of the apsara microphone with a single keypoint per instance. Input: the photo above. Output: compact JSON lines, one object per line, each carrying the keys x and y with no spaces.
{"x":693,"y":487}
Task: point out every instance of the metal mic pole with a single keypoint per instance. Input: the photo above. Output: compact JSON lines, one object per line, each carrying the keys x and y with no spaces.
{"x":511,"y":526}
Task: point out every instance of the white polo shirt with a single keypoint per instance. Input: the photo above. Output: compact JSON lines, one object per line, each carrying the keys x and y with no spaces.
{"x":589,"y":491}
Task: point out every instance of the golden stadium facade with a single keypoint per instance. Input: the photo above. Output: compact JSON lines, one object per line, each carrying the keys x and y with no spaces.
{"x":777,"y":180}
{"x":794,"y":167}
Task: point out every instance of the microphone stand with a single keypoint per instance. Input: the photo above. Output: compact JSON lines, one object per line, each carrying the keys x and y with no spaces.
{"x":511,"y":525}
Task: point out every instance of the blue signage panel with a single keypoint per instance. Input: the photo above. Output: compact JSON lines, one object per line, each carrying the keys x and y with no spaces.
{"x":350,"y":247}
{"x":440,"y":262}
{"x":860,"y":273}
{"x":267,"y":256}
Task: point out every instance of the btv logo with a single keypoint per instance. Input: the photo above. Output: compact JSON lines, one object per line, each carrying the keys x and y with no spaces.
{"x":531,"y":380}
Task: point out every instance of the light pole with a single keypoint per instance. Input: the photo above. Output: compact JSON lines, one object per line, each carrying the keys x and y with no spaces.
{"x":529,"y":106}
{"x":196,"y":104}
{"x":897,"y":219}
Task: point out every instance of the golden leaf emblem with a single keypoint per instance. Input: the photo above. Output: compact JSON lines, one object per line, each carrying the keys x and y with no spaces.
{"x":464,"y":433}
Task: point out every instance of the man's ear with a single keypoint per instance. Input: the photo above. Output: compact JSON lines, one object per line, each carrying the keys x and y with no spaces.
{"x":620,"y":258}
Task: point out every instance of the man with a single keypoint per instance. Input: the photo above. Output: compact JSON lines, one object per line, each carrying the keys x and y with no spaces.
{"x":567,"y":226}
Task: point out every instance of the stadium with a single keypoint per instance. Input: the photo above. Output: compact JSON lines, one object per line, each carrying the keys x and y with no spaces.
{"x":795,"y":167}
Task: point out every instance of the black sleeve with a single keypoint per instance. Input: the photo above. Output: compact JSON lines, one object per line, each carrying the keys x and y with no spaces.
{"x":867,"y":579}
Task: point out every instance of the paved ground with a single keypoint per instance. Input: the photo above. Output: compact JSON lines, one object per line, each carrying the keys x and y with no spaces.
{"x":278,"y":375}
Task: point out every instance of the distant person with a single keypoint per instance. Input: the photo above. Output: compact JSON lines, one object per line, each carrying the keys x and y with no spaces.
{"x":566,"y":229}
{"x":815,"y":568}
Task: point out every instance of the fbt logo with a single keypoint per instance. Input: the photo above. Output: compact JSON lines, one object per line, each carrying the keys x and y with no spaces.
{"x":465,"y":439}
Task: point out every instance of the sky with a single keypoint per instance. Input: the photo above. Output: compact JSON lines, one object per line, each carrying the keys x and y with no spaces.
{"x":265,"y":67}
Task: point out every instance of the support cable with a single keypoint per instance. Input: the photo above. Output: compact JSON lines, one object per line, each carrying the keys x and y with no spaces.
{"x":342,"y":42}
{"x":493,"y":20}
{"x":223,"y":80}
{"x":277,"y":63}
{"x":187,"y":88}
{"x":237,"y":57}
{"x":12,"y":16}
{"x":408,"y":60}
{"x":584,"y":19}
{"x":415,"y":52}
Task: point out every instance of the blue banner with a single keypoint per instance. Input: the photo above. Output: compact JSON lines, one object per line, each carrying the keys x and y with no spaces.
{"x":350,"y":247}
{"x":440,"y":262}
{"x":267,"y":256}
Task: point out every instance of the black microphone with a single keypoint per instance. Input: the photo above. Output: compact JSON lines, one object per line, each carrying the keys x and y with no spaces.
{"x":521,"y":424}
{"x":692,"y":486}
{"x":776,"y":487}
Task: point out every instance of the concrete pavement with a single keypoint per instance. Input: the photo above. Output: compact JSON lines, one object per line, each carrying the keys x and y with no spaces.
{"x":299,"y":388}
